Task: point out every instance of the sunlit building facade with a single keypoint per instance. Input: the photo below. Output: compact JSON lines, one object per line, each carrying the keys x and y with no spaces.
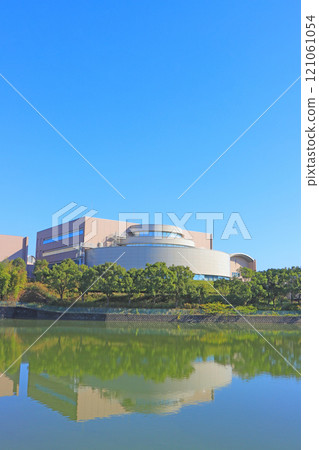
{"x":94,"y":241}
{"x":12,"y":247}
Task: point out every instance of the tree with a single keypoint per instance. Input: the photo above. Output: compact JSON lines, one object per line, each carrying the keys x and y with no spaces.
{"x":64,"y":277}
{"x":276,"y":287}
{"x":18,"y":277}
{"x":180,"y":279}
{"x":193,"y":293}
{"x":294,"y":283}
{"x":133,"y":282}
{"x":128,"y":286}
{"x":139,"y":280}
{"x":247,"y":273}
{"x":258,"y":286}
{"x":222,"y":286}
{"x":111,"y":280}
{"x":239,"y":292}
{"x":157,"y":279}
{"x":41,"y":270}
{"x":4,"y":279}
{"x":257,"y":282}
{"x":88,"y":275}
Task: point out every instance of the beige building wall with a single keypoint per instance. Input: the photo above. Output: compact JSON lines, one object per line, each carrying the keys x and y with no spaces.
{"x":202,"y":240}
{"x":102,"y":231}
{"x":12,"y":247}
{"x":239,"y":260}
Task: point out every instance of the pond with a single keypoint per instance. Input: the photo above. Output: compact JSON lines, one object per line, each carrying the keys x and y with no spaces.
{"x":97,"y":385}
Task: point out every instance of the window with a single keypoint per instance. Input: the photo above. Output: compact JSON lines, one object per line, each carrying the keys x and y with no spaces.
{"x":167,"y":234}
{"x":209,"y":277}
{"x":171,"y":235}
{"x":154,"y":245}
{"x":62,"y":237}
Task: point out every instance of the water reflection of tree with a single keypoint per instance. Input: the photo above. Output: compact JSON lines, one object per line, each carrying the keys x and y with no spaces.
{"x":153,"y":354}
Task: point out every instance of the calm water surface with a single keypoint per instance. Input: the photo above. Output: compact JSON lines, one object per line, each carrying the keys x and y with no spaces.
{"x":95,"y":385}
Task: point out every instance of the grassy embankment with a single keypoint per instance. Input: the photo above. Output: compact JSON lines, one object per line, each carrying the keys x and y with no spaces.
{"x":39,"y":294}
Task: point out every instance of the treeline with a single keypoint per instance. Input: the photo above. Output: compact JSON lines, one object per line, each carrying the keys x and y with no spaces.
{"x":274,"y":286}
{"x":156,"y":285}
{"x":173,"y":285}
{"x":156,"y":281}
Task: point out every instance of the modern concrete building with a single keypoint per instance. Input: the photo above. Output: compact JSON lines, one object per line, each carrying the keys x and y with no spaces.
{"x":95,"y":241}
{"x":164,"y":243}
{"x":67,"y":240}
{"x":12,"y":247}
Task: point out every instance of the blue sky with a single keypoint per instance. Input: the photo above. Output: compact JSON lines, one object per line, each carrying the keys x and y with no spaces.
{"x":152,"y":93}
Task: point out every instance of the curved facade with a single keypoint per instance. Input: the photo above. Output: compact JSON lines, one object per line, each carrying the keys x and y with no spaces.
{"x":200,"y":260}
{"x":161,"y":243}
{"x":239,"y":260}
{"x":155,"y":235}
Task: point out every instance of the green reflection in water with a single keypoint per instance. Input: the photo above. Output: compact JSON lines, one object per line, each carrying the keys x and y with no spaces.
{"x":96,"y":370}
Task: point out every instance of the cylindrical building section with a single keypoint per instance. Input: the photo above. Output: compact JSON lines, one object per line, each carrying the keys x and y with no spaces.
{"x":201,"y":261}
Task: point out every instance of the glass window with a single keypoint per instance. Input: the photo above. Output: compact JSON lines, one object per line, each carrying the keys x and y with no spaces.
{"x":64,"y":236}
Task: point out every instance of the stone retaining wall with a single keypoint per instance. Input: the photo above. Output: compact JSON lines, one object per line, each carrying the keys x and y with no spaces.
{"x":19,"y":312}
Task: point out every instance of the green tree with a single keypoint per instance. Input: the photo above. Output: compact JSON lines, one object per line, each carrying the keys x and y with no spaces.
{"x":133,"y":282}
{"x":193,"y":294}
{"x":128,"y":286}
{"x":258,"y":286}
{"x":246,"y":273}
{"x":111,"y":280}
{"x":294,"y":283}
{"x":139,"y":280}
{"x":64,"y":278}
{"x":4,"y":279}
{"x":18,"y":277}
{"x":239,"y":292}
{"x":276,"y":286}
{"x":87,"y":276}
{"x":180,"y":280}
{"x":41,"y":270}
{"x":222,"y":286}
{"x":158,"y":280}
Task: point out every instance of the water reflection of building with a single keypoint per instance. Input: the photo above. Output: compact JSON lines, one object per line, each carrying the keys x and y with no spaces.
{"x":95,"y":398}
{"x":139,"y":395}
{"x":8,"y":387}
{"x":9,"y":384}
{"x":95,"y":403}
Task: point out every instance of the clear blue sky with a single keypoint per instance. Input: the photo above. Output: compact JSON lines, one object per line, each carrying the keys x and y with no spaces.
{"x":151,"y":92}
